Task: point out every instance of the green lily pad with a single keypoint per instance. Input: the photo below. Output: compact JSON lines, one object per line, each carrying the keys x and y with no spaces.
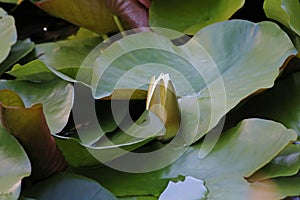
{"x":66,"y":53}
{"x":190,"y":16}
{"x":286,"y":12}
{"x":209,"y":46}
{"x":68,"y":186}
{"x":287,"y":163}
{"x":18,"y":51}
{"x":92,"y":15}
{"x":35,"y":71}
{"x":296,"y":40}
{"x":8,"y":36}
{"x":14,"y":166}
{"x":94,"y":148}
{"x":213,"y":72}
{"x":64,"y":58}
{"x":60,"y":59}
{"x":11,"y":1}
{"x":56,"y":97}
{"x":283,"y":107}
{"x":223,"y":170}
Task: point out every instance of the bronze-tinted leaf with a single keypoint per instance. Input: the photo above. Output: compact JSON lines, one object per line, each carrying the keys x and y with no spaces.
{"x":29,"y":126}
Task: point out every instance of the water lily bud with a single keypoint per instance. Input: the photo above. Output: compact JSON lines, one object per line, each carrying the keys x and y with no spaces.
{"x":162,"y":101}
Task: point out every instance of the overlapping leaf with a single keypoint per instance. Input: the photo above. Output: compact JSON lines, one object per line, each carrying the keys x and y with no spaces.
{"x":93,"y":147}
{"x":281,"y":104}
{"x":286,"y":12}
{"x":60,"y":59}
{"x":35,"y":71}
{"x":190,"y":16}
{"x":56,"y":97}
{"x":47,"y":109}
{"x":15,"y":165}
{"x":11,"y":1}
{"x":68,"y":186}
{"x":223,"y":170}
{"x":92,"y":15}
{"x":287,"y":163}
{"x":8,"y":34}
{"x":18,"y":51}
{"x":280,"y":187}
{"x":216,"y":66}
{"x":33,"y":133}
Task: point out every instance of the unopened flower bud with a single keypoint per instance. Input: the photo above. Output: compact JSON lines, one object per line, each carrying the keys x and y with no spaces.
{"x":162,"y":101}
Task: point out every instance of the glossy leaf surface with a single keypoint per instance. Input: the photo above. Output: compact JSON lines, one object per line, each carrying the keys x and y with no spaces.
{"x":14,"y":166}
{"x":190,"y":16}
{"x":68,"y":186}
{"x":56,"y":97}
{"x":223,"y":170}
{"x":8,"y":35}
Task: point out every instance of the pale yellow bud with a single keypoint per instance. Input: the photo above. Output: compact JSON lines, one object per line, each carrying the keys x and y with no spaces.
{"x":162,"y":101}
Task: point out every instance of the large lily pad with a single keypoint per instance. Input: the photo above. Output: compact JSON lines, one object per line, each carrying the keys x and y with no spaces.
{"x":68,"y":186}
{"x":239,"y":40}
{"x":223,"y":170}
{"x":14,"y":166}
{"x":286,"y":12}
{"x":216,"y":66}
{"x":56,"y":97}
{"x":8,"y":34}
{"x":190,"y":16}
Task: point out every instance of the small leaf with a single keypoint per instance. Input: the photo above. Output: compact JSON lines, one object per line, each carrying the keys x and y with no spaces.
{"x":14,"y":166}
{"x":287,"y":163}
{"x":35,"y":71}
{"x":8,"y":36}
{"x":18,"y":51}
{"x":68,"y":186}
